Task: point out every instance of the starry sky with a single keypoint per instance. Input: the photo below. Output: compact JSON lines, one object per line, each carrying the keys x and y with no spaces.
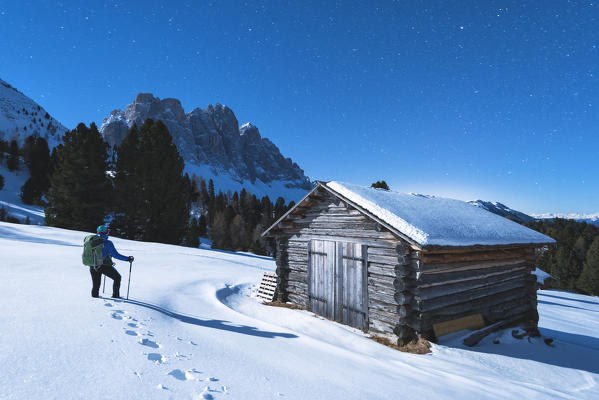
{"x":493,"y":100}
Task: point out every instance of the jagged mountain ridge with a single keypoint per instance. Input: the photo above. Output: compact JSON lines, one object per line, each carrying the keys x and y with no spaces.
{"x":212,"y":141}
{"x":20,"y":117}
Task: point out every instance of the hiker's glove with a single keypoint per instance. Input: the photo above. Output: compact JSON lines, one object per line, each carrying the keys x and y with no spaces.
{"x":130,"y":258}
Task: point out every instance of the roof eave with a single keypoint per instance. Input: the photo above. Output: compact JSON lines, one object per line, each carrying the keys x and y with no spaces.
{"x":278,"y":221}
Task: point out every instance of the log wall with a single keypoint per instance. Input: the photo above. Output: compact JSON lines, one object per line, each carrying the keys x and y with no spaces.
{"x":494,"y":282}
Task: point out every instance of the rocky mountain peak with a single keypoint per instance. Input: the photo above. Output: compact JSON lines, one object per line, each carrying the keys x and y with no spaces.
{"x":212,"y":138}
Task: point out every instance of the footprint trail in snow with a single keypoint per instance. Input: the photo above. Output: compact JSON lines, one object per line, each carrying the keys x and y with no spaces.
{"x":173,"y":365}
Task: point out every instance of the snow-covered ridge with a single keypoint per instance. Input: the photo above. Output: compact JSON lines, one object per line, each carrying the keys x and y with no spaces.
{"x":20,"y":117}
{"x":430,"y":220}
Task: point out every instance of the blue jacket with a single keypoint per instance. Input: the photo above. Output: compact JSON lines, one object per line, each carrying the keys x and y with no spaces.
{"x":109,"y":251}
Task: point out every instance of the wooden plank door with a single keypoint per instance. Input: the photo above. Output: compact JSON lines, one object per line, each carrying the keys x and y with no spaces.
{"x":322,"y":277}
{"x":338,"y":281}
{"x":351,"y":281}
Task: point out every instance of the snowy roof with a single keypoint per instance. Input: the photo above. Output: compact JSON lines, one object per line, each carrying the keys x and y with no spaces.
{"x":437,"y":221}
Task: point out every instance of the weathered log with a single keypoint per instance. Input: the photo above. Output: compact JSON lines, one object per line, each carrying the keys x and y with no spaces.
{"x":381,"y":269}
{"x":479,"y":304}
{"x":378,"y":315}
{"x":468,"y":296}
{"x":297,"y":277}
{"x":404,"y":311}
{"x":300,"y":300}
{"x":388,"y":260}
{"x":386,"y":251}
{"x":381,"y":280}
{"x":344,"y":234}
{"x":465,"y":267}
{"x":426,"y":280}
{"x":403,"y":298}
{"x":433,"y":250}
{"x":366,"y":241}
{"x":383,"y":303}
{"x":404,"y":284}
{"x":489,"y":255}
{"x":451,"y":289}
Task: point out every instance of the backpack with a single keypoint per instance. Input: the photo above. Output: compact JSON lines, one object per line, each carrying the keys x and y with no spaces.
{"x":92,"y":251}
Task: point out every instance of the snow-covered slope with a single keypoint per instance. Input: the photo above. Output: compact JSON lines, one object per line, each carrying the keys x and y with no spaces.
{"x":192,"y":330}
{"x":21,"y":117}
{"x":10,"y":196}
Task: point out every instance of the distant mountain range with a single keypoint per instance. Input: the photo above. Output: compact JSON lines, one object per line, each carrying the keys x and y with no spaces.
{"x":214,"y":146}
{"x":592,"y":219}
{"x":517,"y":216}
{"x":21,"y":117}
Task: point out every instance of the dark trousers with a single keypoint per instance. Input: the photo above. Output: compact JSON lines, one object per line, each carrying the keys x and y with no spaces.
{"x":110,"y":272}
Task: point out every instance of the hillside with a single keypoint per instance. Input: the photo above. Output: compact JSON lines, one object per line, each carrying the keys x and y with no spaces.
{"x":21,"y":117}
{"x":194,"y":330}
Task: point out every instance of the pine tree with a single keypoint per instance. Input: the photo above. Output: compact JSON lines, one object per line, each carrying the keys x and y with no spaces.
{"x":80,"y":190}
{"x":192,"y":234}
{"x":238,"y":234}
{"x":128,"y":221}
{"x":164,"y":204}
{"x":202,"y":229}
{"x":204,"y":196}
{"x":1,"y":182}
{"x":37,"y":158}
{"x":211,"y":194}
{"x":380,"y":185}
{"x":12,"y":161}
{"x":279,"y":208}
{"x":220,"y":231}
{"x":589,"y":278}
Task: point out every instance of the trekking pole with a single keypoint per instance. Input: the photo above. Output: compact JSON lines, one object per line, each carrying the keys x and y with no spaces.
{"x":104,"y":284}
{"x":129,"y":282}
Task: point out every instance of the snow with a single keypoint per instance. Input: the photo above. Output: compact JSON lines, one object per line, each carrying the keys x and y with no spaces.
{"x":430,"y":220}
{"x":193,"y":330}
{"x":224,"y":181}
{"x":541,"y":275}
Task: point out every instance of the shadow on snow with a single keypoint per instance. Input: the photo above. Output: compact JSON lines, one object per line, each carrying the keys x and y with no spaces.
{"x":14,"y":234}
{"x":212,"y":323}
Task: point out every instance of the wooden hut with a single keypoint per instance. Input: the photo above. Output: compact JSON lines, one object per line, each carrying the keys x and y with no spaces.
{"x":400,"y":265}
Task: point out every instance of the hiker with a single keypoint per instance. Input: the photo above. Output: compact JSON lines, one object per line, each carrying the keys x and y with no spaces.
{"x":106,"y":267}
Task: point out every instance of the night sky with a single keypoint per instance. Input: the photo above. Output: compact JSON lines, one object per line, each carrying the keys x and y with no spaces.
{"x":496,"y":100}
